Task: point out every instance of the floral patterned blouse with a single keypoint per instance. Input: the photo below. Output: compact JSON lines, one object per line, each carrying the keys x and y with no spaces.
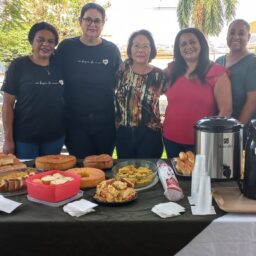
{"x":137,"y":98}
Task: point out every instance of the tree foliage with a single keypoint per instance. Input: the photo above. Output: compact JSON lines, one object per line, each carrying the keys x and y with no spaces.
{"x":17,"y":16}
{"x":207,"y":15}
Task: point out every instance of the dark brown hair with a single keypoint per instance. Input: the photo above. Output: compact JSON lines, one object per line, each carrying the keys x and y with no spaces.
{"x":149,"y":36}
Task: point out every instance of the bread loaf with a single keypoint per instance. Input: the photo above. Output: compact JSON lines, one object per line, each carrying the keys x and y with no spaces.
{"x":102,"y":161}
{"x":55,"y":162}
{"x":9,"y":163}
{"x":13,"y":181}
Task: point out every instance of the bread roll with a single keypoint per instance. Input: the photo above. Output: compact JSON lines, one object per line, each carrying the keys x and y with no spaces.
{"x":185,"y":163}
{"x":182,"y":156}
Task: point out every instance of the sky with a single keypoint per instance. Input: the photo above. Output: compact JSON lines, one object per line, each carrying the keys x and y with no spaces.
{"x":127,"y":16}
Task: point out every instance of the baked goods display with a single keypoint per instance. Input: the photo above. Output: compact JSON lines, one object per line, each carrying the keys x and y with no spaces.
{"x":115,"y":191}
{"x":9,"y":163}
{"x":102,"y":161}
{"x":54,"y":179}
{"x":90,"y":177}
{"x":55,"y":162}
{"x":53,"y":186}
{"x":140,"y":176}
{"x":185,"y":163}
{"x":14,"y":181}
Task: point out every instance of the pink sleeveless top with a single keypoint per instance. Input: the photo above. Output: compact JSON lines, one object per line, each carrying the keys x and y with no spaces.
{"x":188,"y":102}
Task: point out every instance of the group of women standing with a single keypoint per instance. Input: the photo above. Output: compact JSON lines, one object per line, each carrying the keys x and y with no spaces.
{"x":102,"y":102}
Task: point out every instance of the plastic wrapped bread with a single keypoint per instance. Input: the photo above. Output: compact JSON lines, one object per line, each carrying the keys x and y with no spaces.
{"x":172,"y":190}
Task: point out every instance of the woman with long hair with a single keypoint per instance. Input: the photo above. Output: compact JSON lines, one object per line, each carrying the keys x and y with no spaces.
{"x":196,"y":88}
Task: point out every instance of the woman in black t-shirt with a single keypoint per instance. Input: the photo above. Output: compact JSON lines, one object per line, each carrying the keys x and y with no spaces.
{"x":89,"y":64}
{"x":33,"y":107}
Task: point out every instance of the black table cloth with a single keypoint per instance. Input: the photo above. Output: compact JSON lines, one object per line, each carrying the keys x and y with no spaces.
{"x":131,"y":229}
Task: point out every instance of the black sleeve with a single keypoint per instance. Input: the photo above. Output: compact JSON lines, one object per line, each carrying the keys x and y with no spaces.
{"x":118,"y":59}
{"x":11,"y":79}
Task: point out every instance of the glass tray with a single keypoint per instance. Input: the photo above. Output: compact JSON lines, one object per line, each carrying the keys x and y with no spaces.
{"x":152,"y":184}
{"x":57,"y":204}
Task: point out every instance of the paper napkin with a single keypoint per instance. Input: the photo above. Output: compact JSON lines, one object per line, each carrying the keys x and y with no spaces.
{"x":7,"y":205}
{"x":169,"y":209}
{"x":79,"y":208}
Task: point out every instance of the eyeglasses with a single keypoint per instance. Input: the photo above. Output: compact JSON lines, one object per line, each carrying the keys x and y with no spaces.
{"x":144,"y":47}
{"x":89,"y":21}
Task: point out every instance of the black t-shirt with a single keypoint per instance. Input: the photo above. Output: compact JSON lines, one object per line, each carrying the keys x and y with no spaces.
{"x":39,"y":106}
{"x":89,"y":73}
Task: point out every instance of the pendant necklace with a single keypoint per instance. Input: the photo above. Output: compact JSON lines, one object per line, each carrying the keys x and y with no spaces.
{"x":48,"y":70}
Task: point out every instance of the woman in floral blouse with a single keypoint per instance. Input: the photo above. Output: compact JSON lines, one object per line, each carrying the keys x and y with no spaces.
{"x":139,"y":86}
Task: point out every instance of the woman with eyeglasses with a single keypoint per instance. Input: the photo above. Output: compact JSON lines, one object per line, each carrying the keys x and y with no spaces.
{"x":89,"y":64}
{"x":33,"y":103}
{"x":196,"y":88}
{"x":139,"y":86}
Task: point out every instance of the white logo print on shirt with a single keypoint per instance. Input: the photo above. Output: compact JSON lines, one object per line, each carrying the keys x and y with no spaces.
{"x":83,"y":61}
{"x":105,"y":61}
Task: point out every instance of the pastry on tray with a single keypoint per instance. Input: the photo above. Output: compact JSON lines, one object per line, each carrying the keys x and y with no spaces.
{"x":55,"y":162}
{"x":185,"y":163}
{"x":115,"y":191}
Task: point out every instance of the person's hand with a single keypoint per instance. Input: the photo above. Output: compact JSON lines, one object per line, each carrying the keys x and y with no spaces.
{"x":117,"y":124}
{"x":8,"y":147}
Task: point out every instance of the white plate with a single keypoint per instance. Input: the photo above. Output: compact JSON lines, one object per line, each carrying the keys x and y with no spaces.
{"x":154,"y":182}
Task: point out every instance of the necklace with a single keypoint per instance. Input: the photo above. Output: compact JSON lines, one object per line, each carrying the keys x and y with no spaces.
{"x":47,"y":69}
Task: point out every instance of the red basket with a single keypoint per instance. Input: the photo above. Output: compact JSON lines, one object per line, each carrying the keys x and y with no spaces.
{"x":53,"y":193}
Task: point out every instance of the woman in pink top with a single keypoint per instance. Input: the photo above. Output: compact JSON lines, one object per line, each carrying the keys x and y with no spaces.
{"x":197,"y":88}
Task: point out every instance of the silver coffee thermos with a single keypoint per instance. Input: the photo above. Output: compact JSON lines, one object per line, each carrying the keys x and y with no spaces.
{"x":220,"y":140}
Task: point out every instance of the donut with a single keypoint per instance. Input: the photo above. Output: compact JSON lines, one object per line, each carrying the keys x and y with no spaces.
{"x":90,"y":177}
{"x":55,"y":162}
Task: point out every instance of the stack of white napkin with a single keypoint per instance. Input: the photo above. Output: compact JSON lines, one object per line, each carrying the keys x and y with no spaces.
{"x":7,"y":205}
{"x":166,"y":210}
{"x":79,"y":208}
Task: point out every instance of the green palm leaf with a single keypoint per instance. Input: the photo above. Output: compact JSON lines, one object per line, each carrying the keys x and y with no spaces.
{"x":207,"y":15}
